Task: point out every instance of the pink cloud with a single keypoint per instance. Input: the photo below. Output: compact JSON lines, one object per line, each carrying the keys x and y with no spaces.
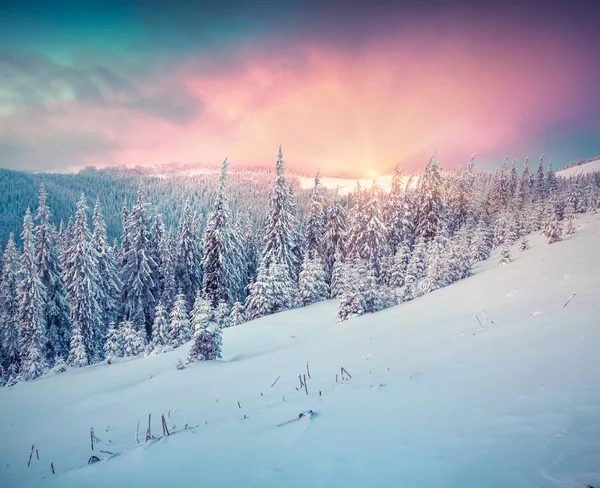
{"x":394,"y":99}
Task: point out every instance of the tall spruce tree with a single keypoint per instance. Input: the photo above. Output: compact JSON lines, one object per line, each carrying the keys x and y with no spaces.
{"x":279,"y":259}
{"x":313,"y":285}
{"x":222,"y":262}
{"x":32,"y":301}
{"x":429,"y":204}
{"x":314,"y":226}
{"x":9,"y":309}
{"x":82,"y":282}
{"x":47,"y":256}
{"x":180,"y":328}
{"x":397,"y":215}
{"x":110,"y":283}
{"x":137,"y":298}
{"x":188,"y":257}
{"x":335,"y":231}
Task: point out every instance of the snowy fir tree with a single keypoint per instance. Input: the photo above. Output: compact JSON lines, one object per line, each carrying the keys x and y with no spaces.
{"x":279,"y":259}
{"x":437,"y":275}
{"x":222,"y":260}
{"x":367,"y":234}
{"x":314,"y":226}
{"x":429,"y":205}
{"x":222,"y":314}
{"x":113,"y":346}
{"x":206,"y":344}
{"x":416,"y":269}
{"x":32,"y":300}
{"x":47,"y":256}
{"x":109,"y":287}
{"x":180,"y":328}
{"x":336,"y":287}
{"x":137,"y":293}
{"x":523,"y":244}
{"x":504,"y":254}
{"x":9,"y":309}
{"x":188,"y":256}
{"x":335,"y":231}
{"x":397,"y":216}
{"x":570,"y":219}
{"x":481,"y":244}
{"x":202,"y":313}
{"x":399,"y":265}
{"x":313,"y":284}
{"x":134,"y":339}
{"x":552,"y":227}
{"x":82,"y":282}
{"x":160,"y":326}
{"x":352,"y":300}
{"x":238,"y":314}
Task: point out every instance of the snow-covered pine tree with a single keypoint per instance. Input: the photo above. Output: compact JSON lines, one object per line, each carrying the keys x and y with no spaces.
{"x":513,"y":180}
{"x":417,"y":267}
{"x":367,"y":240}
{"x":504,"y":254}
{"x":222,"y":315}
{"x":523,"y":187}
{"x":124,"y":248}
{"x":160,"y":326}
{"x":570,"y":219}
{"x":552,"y":227}
{"x":313,"y":286}
{"x":180,"y":327}
{"x":109,"y":287}
{"x":523,"y":243}
{"x":134,"y":339}
{"x":437,"y":275}
{"x":333,"y":239}
{"x":551,"y":183}
{"x":206,"y":344}
{"x":160,"y":253}
{"x":188,"y":257}
{"x":47,"y":257}
{"x":82,"y":282}
{"x":167,"y":269}
{"x":397,"y":215}
{"x":314,"y":226}
{"x":400,"y":265}
{"x":540,"y":181}
{"x":202,"y":313}
{"x":113,"y":346}
{"x":429,"y":205}
{"x":32,"y":299}
{"x":279,"y":260}
{"x":352,"y":301}
{"x":222,"y":260}
{"x":337,"y":285}
{"x":137,"y":298}
{"x":238,"y":316}
{"x":9,"y":309}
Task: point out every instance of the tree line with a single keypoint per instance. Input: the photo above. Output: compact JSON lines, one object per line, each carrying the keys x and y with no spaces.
{"x":69,"y":297}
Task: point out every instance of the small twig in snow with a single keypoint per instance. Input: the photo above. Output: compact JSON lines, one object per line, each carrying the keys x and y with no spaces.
{"x":570,"y":298}
{"x":275,"y":381}
{"x":31,"y":454}
{"x":479,"y":321}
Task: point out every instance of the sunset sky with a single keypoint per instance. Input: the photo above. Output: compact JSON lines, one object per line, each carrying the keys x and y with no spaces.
{"x":349,"y":87}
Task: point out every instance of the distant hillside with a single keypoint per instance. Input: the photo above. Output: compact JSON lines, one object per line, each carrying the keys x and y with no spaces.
{"x":580,"y":169}
{"x":167,"y":192}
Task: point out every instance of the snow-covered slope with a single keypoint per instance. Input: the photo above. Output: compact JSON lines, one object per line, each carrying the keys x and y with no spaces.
{"x":582,"y":169}
{"x":435,"y":398}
